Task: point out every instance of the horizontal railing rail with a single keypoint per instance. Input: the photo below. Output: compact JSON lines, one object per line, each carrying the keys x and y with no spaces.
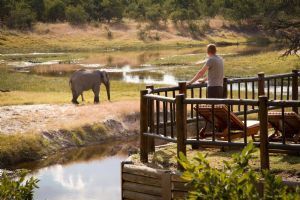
{"x":221,"y":101}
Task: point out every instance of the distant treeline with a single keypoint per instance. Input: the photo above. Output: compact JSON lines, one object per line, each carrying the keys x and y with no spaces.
{"x":22,"y":14}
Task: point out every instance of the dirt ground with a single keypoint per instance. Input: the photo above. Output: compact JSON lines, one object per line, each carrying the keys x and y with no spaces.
{"x":45,"y":117}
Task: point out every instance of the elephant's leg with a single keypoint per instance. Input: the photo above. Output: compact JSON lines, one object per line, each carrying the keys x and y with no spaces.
{"x":96,"y":91}
{"x":75,"y":96}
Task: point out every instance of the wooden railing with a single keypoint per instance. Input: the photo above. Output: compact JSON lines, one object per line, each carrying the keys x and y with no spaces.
{"x":167,"y":113}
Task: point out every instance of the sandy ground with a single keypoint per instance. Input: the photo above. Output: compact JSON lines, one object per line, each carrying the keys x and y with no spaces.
{"x":45,"y":117}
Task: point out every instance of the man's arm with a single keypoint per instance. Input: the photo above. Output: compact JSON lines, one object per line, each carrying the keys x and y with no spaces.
{"x":198,"y":75}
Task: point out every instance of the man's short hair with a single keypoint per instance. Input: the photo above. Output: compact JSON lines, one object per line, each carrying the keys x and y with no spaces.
{"x":211,"y":48}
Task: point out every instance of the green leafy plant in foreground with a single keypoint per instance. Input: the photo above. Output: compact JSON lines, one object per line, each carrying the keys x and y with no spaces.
{"x":19,"y":188}
{"x":236,"y":180}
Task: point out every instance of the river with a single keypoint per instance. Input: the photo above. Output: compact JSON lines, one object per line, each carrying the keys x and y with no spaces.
{"x":82,"y":174}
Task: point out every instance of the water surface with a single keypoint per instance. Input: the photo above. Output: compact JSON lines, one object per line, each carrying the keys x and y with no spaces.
{"x":82,"y":174}
{"x":149,"y":67}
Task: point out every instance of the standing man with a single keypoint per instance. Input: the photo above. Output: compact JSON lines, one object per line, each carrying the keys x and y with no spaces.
{"x":215,"y":67}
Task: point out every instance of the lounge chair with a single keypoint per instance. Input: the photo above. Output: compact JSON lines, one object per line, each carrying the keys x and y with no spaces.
{"x":291,"y":126}
{"x":221,"y":127}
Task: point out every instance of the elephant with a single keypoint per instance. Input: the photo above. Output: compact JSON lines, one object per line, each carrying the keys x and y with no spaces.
{"x":83,"y":80}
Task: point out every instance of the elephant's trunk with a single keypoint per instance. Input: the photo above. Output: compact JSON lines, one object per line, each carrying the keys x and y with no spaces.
{"x":108,"y":90}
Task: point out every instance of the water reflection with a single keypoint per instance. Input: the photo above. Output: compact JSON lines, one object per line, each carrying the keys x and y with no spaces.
{"x":81,"y":181}
{"x":166,"y":80}
{"x":149,"y":67}
{"x":80,"y":174}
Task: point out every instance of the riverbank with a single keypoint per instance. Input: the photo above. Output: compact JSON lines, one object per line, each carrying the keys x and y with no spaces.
{"x":32,"y":132}
{"x":126,"y":35}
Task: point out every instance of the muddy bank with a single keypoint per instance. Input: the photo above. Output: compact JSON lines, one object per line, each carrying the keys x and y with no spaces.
{"x":30,"y":133}
{"x":25,"y":119}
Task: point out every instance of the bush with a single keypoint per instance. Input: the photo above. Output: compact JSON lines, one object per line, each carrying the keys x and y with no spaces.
{"x":55,"y":10}
{"x":109,"y":33}
{"x":76,"y":15}
{"x":154,"y":14}
{"x":236,"y":180}
{"x":19,"y":188}
{"x":194,"y":30}
{"x":112,"y":9}
{"x":142,"y":35}
{"x":21,"y":17}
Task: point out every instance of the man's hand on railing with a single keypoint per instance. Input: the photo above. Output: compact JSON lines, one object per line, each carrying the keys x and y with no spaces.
{"x":202,"y":80}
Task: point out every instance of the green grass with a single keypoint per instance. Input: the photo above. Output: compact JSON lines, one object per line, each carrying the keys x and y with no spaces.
{"x":35,"y":89}
{"x":235,"y":65}
{"x":18,"y":148}
{"x":21,"y":147}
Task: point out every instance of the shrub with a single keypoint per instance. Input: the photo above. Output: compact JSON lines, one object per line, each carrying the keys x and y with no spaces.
{"x":236,"y":180}
{"x":76,"y":15}
{"x":156,"y":37}
{"x":55,"y":10}
{"x":142,"y":35}
{"x":109,"y":33}
{"x":194,"y":30}
{"x":154,"y":14}
{"x":21,"y":17}
{"x":20,"y":188}
{"x":112,"y":9}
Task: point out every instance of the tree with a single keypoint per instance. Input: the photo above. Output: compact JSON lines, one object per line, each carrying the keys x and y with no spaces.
{"x":241,"y":10}
{"x":5,"y":7}
{"x":111,"y":9}
{"x":21,"y":17}
{"x":180,"y":10}
{"x":38,"y":7}
{"x":92,"y":8}
{"x":55,"y":10}
{"x":76,"y":15}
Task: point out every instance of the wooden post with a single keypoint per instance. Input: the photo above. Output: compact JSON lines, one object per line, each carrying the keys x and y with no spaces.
{"x":182,"y":87}
{"x":151,"y":141}
{"x":295,"y":85}
{"x":122,"y":167}
{"x":263,"y":123}
{"x":261,"y":84}
{"x":225,"y":88}
{"x":143,"y":127}
{"x":181,"y":126}
{"x":166,"y":185}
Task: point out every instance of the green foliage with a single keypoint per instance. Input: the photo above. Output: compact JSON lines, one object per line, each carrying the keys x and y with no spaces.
{"x":38,"y":6}
{"x":21,"y":16}
{"x":236,"y":180}
{"x":146,"y":10}
{"x":154,"y":13}
{"x":55,"y":10}
{"x":5,"y":8}
{"x":180,"y":10}
{"x":76,"y":15}
{"x":19,"y":188}
{"x":111,"y":9}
